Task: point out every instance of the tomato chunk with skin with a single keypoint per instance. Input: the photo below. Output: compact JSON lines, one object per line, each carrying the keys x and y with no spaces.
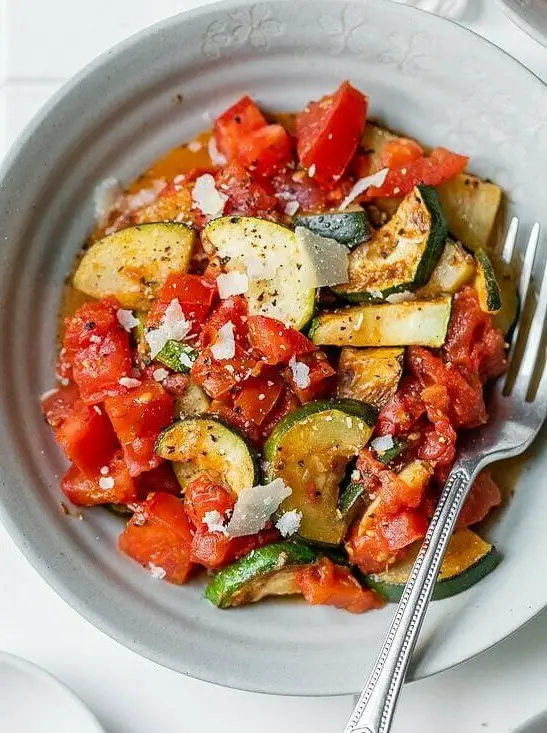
{"x":233,"y":309}
{"x":401,"y":530}
{"x":432,"y":170}
{"x":400,"y":152}
{"x":472,"y":340}
{"x":59,"y":404}
{"x":97,"y":349}
{"x":87,"y":438}
{"x":320,"y":377}
{"x":258,"y":396}
{"x":113,"y":487}
{"x":328,"y":584}
{"x":328,"y":133}
{"x":207,"y":493}
{"x":369,"y":551}
{"x":483,"y":497}
{"x":276,"y":342}
{"x":239,"y":120}
{"x":98,"y":368}
{"x":194,"y":293}
{"x":219,"y":376}
{"x":226,"y":411}
{"x":138,"y":417}
{"x":159,"y":537}
{"x":265,"y":151}
{"x":246,"y":197}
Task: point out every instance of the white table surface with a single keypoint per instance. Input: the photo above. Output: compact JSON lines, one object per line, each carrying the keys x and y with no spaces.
{"x":43,"y":42}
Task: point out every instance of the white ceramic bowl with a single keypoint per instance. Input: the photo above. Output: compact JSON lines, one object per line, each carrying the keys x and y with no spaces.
{"x":530,"y":15}
{"x":424,"y":75}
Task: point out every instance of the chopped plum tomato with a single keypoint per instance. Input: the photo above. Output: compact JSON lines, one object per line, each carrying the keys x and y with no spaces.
{"x":318,"y":379}
{"x":238,"y":121}
{"x":227,"y":413}
{"x":276,"y":342}
{"x":328,"y":584}
{"x":328,"y":133}
{"x":233,"y":309}
{"x":431,"y":170}
{"x":265,"y":151}
{"x":207,"y":493}
{"x":87,"y":438}
{"x":159,"y":537}
{"x":98,"y":368}
{"x":138,"y":418}
{"x":394,"y":493}
{"x":472,"y":341}
{"x":98,"y":349}
{"x":246,"y":197}
{"x":58,"y":404}
{"x":369,"y":551}
{"x":112,"y":484}
{"x":194,"y":293}
{"x":400,"y":152}
{"x":483,"y":497}
{"x":403,"y":409}
{"x":401,"y":530}
{"x":458,"y":394}
{"x":92,"y":321}
{"x":297,"y":186}
{"x":258,"y":396}
{"x":219,"y":376}
{"x":287,"y":402}
{"x":209,"y":549}
{"x":160,"y":479}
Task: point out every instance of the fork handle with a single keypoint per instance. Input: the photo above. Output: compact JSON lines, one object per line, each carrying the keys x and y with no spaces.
{"x":374,"y":711}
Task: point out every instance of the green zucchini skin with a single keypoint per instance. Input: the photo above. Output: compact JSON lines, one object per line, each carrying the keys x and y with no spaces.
{"x":427,"y":256}
{"x":392,"y":453}
{"x":446,"y":588}
{"x":172,"y":356}
{"x":247,"y":579}
{"x":366,"y":412}
{"x":486,"y":283}
{"x":206,"y":435}
{"x":350,"y":498}
{"x":346,"y":227}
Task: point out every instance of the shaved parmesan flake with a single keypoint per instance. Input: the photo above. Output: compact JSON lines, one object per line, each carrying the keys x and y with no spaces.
{"x":289,"y":522}
{"x":215,"y":522}
{"x":104,"y":471}
{"x":232,"y":283}
{"x":160,"y":374}
{"x":194,"y":146}
{"x":214,"y":153}
{"x":225,"y":345}
{"x":106,"y":482}
{"x":105,"y":196}
{"x":383,"y":443}
{"x":291,"y":208}
{"x":48,"y":394}
{"x":400,"y":297}
{"x":156,"y":571}
{"x":126,"y":319}
{"x":325,"y":260}
{"x":129,"y":382}
{"x":173,"y":327}
{"x":376,"y":179}
{"x":311,"y":170}
{"x":255,"y":506}
{"x":300,"y":373}
{"x":207,"y":198}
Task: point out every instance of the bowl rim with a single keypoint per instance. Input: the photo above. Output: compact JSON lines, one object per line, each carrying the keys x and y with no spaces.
{"x":520,"y":20}
{"x":56,"y":580}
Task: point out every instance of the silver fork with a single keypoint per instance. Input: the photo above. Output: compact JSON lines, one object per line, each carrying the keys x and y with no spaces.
{"x":517,"y":412}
